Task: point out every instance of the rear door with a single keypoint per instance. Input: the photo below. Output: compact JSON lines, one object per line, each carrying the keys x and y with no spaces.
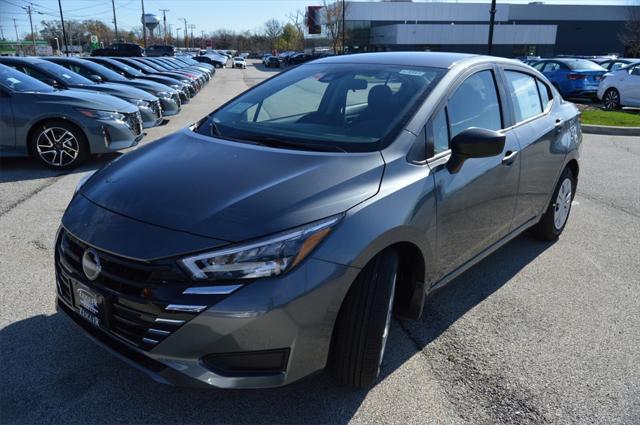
{"x":475,"y":205}
{"x":539,"y":132}
{"x":630,"y":87}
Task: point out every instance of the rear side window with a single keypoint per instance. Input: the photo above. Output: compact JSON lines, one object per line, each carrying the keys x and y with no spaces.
{"x":475,"y":104}
{"x":524,"y":95}
{"x":545,"y":94}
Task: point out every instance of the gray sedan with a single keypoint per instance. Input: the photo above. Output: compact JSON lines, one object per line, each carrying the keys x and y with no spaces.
{"x":60,"y":77}
{"x":169,"y":98}
{"x":61,"y":128}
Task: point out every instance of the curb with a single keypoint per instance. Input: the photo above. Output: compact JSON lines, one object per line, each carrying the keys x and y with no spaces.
{"x":610,"y":130}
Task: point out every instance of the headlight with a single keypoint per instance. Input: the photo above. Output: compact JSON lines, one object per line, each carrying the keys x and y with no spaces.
{"x":83,"y":180}
{"x":164,"y":94}
{"x":271,"y":256}
{"x":138,"y":102}
{"x":101,"y":115}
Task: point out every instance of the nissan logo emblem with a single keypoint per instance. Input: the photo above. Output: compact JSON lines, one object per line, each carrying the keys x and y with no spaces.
{"x":91,"y":264}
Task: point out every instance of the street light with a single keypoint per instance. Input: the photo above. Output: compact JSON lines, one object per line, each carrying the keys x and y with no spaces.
{"x":57,"y":46}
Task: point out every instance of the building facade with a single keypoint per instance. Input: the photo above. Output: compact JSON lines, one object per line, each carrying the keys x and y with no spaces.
{"x":520,"y":29}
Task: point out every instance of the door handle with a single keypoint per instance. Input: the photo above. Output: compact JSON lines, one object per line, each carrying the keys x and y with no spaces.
{"x":509,"y":157}
{"x":559,"y":124}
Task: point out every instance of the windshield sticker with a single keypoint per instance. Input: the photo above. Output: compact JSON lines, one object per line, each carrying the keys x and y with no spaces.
{"x":412,"y":72}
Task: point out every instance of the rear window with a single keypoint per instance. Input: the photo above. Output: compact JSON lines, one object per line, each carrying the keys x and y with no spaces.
{"x":584,"y":64}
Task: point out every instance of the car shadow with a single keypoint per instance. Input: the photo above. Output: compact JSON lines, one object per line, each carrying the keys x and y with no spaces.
{"x":22,"y":169}
{"x":50,"y":370}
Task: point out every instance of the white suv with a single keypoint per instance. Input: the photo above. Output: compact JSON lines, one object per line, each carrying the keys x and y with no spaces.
{"x":621,"y":88}
{"x":239,"y":62}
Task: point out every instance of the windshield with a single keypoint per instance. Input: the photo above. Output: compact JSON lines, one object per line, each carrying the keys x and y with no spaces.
{"x":63,"y":73}
{"x":131,"y":70}
{"x":584,"y":64}
{"x":103,"y":71}
{"x":14,"y":80}
{"x":349,"y":107}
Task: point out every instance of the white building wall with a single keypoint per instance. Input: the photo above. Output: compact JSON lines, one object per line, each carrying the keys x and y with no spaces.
{"x":444,"y":34}
{"x":407,"y":11}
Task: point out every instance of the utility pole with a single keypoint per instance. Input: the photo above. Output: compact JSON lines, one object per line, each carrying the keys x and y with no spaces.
{"x":115,"y":21}
{"x":178,"y":37}
{"x":64,"y":31}
{"x":343,"y":7}
{"x":192,"y":26}
{"x":1,"y":34}
{"x":186,"y":28}
{"x":492,"y":12}
{"x":33,"y":37}
{"x":18,"y":44}
{"x":202,"y":39}
{"x":144,"y":27}
{"x":164,"y":21}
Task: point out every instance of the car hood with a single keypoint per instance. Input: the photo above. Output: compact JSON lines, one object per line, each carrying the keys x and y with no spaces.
{"x":146,"y":85}
{"x":232,"y":191}
{"x":119,"y":90}
{"x":87,"y":99}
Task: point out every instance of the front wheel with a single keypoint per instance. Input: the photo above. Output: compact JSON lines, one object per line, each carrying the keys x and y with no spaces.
{"x":361,"y":330}
{"x":611,"y":99}
{"x":59,"y":145}
{"x":555,"y":218}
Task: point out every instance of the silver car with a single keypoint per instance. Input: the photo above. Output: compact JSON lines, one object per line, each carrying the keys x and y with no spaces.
{"x":61,"y":128}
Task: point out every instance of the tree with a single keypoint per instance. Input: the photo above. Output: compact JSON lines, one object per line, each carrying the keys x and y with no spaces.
{"x":333,"y":22}
{"x":630,"y":36}
{"x":289,"y":39}
{"x":273,"y":31}
{"x":297,"y":19}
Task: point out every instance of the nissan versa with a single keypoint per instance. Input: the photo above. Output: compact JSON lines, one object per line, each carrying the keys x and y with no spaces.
{"x":277,"y":236}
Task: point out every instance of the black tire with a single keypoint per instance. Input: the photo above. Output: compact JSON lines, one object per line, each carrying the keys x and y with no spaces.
{"x":547,"y":228}
{"x":358,"y":343}
{"x":70,"y":139}
{"x":611,"y":99}
{"x":217,"y":65}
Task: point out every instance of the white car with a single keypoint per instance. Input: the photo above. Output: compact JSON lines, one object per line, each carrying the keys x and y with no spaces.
{"x":621,"y":88}
{"x":239,"y":62}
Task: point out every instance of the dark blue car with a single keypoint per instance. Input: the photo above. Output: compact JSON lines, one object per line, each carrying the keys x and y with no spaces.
{"x":572,"y":77}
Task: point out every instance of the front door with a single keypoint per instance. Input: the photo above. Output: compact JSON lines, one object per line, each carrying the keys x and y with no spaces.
{"x":7,"y":127}
{"x":475,"y":205}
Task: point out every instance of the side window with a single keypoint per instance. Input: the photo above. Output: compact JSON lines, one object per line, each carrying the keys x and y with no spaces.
{"x":35,"y":74}
{"x":539,"y":66}
{"x":524,"y":95}
{"x":635,"y":70}
{"x":551,"y":67}
{"x":545,"y":94}
{"x":440,"y":132}
{"x":475,"y":104}
{"x":79,"y":70}
{"x":614,"y":66}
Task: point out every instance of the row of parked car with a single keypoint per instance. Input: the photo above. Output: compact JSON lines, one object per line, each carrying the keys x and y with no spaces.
{"x":614,"y":81}
{"x":61,"y":110}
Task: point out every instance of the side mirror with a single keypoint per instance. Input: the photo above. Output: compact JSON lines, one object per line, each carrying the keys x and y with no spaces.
{"x":474,"y":143}
{"x":95,"y":78}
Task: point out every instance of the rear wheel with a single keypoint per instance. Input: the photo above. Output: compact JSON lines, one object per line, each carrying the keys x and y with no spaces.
{"x":555,"y":218}
{"x":361,"y":331}
{"x":59,"y":145}
{"x":611,"y":99}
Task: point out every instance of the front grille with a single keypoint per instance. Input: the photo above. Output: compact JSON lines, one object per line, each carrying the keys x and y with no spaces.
{"x":156,"y":107}
{"x":134,"y":122}
{"x":135,"y":294}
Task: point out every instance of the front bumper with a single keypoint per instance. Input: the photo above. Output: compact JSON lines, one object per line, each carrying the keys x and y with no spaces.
{"x":152,"y":115}
{"x":292,"y":315}
{"x":112,"y":136}
{"x":171,"y":105}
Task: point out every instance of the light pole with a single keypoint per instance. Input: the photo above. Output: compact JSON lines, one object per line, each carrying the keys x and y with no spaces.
{"x":178,"y":37}
{"x":57,"y":46}
{"x":492,"y":13}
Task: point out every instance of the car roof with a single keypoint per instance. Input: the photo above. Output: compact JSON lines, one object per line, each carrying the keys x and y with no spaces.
{"x":23,"y":59}
{"x":434,"y":59}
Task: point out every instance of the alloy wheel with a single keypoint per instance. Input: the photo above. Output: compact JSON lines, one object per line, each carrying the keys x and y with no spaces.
{"x":57,"y":146}
{"x":612,"y":99}
{"x":562,"y":204}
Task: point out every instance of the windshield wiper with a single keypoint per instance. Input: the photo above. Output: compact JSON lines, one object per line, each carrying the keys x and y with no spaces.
{"x":275,"y":143}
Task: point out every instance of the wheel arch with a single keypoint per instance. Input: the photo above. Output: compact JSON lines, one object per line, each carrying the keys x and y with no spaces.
{"x":51,"y":119}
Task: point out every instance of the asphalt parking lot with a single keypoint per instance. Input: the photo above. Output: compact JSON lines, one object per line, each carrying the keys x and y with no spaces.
{"x":536,"y":333}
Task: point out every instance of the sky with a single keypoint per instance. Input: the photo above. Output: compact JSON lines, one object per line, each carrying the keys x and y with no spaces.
{"x":207,"y":15}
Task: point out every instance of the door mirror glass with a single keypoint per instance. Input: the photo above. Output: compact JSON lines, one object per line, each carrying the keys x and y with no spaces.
{"x":95,"y":78}
{"x":474,"y":143}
